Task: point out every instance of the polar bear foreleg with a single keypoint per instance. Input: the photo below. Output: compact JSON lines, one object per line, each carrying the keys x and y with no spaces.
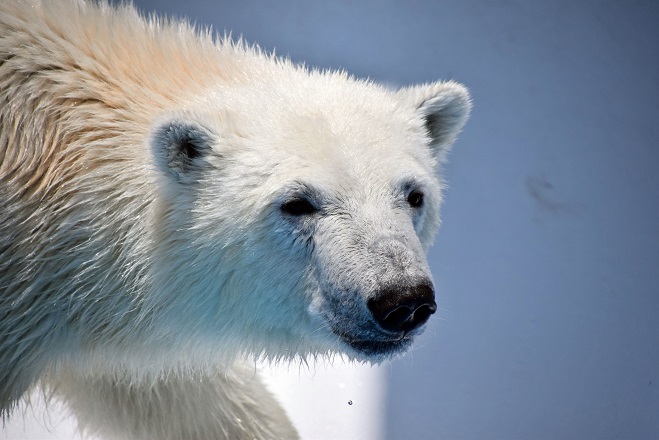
{"x":232,"y":404}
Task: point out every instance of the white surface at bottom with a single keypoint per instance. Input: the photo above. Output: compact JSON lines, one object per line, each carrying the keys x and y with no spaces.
{"x":333,"y":401}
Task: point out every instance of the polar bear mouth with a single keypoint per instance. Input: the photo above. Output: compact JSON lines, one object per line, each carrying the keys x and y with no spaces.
{"x":378,"y":348}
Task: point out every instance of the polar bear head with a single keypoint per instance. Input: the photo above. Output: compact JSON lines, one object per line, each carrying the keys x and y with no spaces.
{"x":295,"y":212}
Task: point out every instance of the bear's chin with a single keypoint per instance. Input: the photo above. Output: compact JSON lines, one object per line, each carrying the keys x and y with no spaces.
{"x":377,"y":350}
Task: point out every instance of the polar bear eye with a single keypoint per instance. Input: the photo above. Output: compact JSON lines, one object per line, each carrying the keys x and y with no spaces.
{"x":415,"y":199}
{"x":298,"y":207}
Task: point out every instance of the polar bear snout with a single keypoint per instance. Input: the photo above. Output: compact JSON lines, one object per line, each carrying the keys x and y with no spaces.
{"x":405,"y":308}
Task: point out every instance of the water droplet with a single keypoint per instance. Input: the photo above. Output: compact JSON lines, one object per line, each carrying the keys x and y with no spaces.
{"x":349,"y":402}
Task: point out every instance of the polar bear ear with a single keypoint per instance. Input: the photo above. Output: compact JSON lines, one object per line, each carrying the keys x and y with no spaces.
{"x":179,"y":148}
{"x":443,"y":107}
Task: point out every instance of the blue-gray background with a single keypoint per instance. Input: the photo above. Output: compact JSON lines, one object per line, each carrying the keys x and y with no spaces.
{"x":547,"y":263}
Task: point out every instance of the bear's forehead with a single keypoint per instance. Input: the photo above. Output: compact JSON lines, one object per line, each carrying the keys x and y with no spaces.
{"x":346,"y":149}
{"x":327,"y":127}
{"x":319,"y":121}
{"x":313,"y":105}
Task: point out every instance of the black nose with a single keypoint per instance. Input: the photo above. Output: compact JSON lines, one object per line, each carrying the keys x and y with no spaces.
{"x":403,"y":309}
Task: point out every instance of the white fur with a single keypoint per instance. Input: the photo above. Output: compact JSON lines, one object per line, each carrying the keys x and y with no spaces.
{"x":143,"y":246}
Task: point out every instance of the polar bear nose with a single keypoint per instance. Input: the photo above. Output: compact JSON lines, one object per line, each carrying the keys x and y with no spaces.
{"x":403,"y":309}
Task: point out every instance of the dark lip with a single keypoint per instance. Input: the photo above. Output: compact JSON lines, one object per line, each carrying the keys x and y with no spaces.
{"x":378,"y":348}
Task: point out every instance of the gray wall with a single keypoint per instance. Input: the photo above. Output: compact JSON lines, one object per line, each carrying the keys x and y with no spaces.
{"x":547,"y":259}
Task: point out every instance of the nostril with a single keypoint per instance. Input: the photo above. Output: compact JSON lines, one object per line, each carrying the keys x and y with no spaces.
{"x":403,"y":309}
{"x":396,"y":318}
{"x":422,"y":314}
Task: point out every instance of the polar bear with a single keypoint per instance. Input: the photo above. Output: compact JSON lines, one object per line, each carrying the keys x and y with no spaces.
{"x":174,"y":205}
